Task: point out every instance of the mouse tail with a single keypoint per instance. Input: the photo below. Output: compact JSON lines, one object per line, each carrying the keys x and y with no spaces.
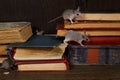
{"x":54,"y":19}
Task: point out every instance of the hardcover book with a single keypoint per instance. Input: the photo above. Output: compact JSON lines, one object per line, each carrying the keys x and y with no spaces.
{"x":15,"y":32}
{"x":90,"y":25}
{"x":99,"y":16}
{"x":40,"y":53}
{"x":61,"y":31}
{"x":38,"y":41}
{"x":43,"y":65}
{"x":100,"y":55}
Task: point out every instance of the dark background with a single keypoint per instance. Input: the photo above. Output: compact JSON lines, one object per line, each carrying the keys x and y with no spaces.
{"x":39,"y":12}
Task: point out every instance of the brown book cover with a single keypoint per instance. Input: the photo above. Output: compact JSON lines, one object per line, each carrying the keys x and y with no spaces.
{"x":61,"y":31}
{"x":43,"y":65}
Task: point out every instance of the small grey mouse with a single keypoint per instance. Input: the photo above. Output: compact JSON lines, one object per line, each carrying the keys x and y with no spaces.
{"x":5,"y":64}
{"x":69,"y":14}
{"x":75,"y":36}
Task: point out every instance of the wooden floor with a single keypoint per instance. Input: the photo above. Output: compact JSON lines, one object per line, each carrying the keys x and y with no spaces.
{"x":82,"y":72}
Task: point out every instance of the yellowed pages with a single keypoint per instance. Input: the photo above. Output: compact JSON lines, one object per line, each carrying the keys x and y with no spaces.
{"x":40,"y":53}
{"x":62,"y":32}
{"x":100,"y":16}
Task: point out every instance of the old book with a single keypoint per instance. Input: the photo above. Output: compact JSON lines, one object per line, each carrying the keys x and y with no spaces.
{"x":97,"y":55}
{"x":15,"y":32}
{"x":38,"y":41}
{"x":92,"y":25}
{"x":40,"y":53}
{"x":100,"y":16}
{"x":43,"y":65}
{"x":61,"y":31}
{"x":99,"y":40}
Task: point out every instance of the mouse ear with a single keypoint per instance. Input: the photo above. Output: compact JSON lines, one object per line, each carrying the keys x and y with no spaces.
{"x":78,"y":9}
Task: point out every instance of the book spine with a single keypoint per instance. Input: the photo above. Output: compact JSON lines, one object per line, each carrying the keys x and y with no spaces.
{"x":101,"y":55}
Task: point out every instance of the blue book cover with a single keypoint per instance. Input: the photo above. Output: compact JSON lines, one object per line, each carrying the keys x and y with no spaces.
{"x":38,"y":41}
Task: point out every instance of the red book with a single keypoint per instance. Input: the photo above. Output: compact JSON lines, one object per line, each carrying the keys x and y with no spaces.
{"x":104,"y":40}
{"x":43,"y":65}
{"x":100,"y":40}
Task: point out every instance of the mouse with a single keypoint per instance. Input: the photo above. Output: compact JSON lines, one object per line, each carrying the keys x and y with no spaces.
{"x":5,"y":64}
{"x":69,"y":14}
{"x":75,"y":36}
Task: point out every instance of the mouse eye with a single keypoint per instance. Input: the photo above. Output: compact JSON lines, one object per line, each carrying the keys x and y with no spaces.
{"x":77,"y":14}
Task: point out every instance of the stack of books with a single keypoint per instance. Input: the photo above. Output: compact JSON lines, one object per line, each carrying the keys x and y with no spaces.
{"x":13,"y":32}
{"x":104,"y":33}
{"x":40,"y":53}
{"x":100,"y":26}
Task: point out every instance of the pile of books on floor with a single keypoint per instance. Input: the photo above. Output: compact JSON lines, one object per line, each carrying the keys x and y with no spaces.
{"x":31,"y":52}
{"x":40,"y":53}
{"x":13,"y":32}
{"x":104,"y":33}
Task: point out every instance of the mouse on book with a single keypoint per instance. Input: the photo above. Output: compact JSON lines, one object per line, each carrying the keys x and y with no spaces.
{"x":75,"y":36}
{"x":69,"y":14}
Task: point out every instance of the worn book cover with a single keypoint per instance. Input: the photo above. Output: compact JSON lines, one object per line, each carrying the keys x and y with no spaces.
{"x":38,"y":41}
{"x":43,"y":65}
{"x":94,"y":55}
{"x":15,"y":32}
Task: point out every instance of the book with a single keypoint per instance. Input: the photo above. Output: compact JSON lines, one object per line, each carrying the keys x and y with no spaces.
{"x":61,"y":32}
{"x":15,"y":32}
{"x":100,"y":16}
{"x":90,"y":25}
{"x":94,"y":55}
{"x":40,"y":53}
{"x":99,"y":40}
{"x":43,"y":65}
{"x":38,"y":41}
